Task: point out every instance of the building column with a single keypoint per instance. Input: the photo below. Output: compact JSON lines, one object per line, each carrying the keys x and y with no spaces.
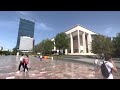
{"x":66,"y":51}
{"x":54,"y":46}
{"x":84,"y":42}
{"x":71,"y":38}
{"x":78,"y":41}
{"x":89,"y":42}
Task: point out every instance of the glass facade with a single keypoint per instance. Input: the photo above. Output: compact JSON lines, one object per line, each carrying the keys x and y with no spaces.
{"x":26,"y":28}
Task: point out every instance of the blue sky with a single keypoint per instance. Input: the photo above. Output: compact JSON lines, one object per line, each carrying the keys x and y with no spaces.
{"x":49,"y":23}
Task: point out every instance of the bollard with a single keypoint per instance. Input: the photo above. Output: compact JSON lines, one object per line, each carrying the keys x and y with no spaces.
{"x":52,"y":58}
{"x":17,"y":54}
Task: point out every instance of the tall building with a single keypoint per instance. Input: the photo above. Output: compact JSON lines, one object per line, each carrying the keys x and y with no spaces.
{"x":26,"y":28}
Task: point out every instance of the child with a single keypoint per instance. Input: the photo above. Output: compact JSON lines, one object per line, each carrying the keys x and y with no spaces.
{"x":26,"y":63}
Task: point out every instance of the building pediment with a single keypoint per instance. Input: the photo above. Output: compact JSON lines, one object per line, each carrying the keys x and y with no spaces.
{"x":79,"y":27}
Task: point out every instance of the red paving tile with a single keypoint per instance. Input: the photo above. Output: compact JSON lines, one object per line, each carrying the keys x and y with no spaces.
{"x":52,"y":69}
{"x":48,"y":69}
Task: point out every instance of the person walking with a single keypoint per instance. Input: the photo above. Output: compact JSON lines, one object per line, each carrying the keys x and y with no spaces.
{"x":40,"y":57}
{"x":96,"y":64}
{"x":26,"y":63}
{"x":21,"y":63}
{"x":108,"y":67}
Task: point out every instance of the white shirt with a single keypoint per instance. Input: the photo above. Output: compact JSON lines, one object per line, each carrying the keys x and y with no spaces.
{"x":96,"y":61}
{"x":21,"y":58}
{"x":109,"y":66}
{"x":40,"y":56}
{"x":17,"y":53}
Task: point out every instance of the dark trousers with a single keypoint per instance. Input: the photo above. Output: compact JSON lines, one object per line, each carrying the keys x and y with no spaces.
{"x":40,"y":59}
{"x":25,"y":67}
{"x":21,"y":63}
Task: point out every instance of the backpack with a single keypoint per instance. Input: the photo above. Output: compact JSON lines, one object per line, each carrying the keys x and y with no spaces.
{"x":104,"y":70}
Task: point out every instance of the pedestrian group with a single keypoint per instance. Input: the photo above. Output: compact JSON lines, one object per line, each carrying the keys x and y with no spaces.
{"x":24,"y":60}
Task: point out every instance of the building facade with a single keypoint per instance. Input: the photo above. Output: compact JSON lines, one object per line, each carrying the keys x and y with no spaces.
{"x":26,"y":44}
{"x":26,"y":28}
{"x":80,"y":41}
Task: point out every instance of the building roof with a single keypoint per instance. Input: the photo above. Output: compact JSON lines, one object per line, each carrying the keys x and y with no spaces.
{"x":76,"y":26}
{"x":80,"y":26}
{"x":30,"y":20}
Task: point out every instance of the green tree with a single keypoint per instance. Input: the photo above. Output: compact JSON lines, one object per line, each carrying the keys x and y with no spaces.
{"x":102,"y":45}
{"x":44,"y":47}
{"x":14,"y":52}
{"x":61,"y":41}
{"x":1,"y":52}
{"x":116,"y":43}
{"x":36,"y":49}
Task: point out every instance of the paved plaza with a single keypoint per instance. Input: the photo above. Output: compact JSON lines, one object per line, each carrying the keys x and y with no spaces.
{"x":48,"y":69}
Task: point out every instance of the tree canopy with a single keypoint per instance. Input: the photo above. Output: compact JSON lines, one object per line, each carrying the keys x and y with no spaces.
{"x":44,"y":47}
{"x":102,"y":45}
{"x":116,"y":43}
{"x":61,"y":41}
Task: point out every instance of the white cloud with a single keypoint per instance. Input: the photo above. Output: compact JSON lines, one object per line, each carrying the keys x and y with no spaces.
{"x":25,"y":15}
{"x":108,"y":30}
{"x":108,"y":25}
{"x":43,"y":26}
{"x":21,"y":12}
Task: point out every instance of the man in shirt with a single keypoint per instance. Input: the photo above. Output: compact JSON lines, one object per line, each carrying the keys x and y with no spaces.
{"x":96,"y":63}
{"x":110,"y":66}
{"x":21,"y":63}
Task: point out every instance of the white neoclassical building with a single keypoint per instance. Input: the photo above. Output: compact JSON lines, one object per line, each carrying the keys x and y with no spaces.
{"x":80,"y":41}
